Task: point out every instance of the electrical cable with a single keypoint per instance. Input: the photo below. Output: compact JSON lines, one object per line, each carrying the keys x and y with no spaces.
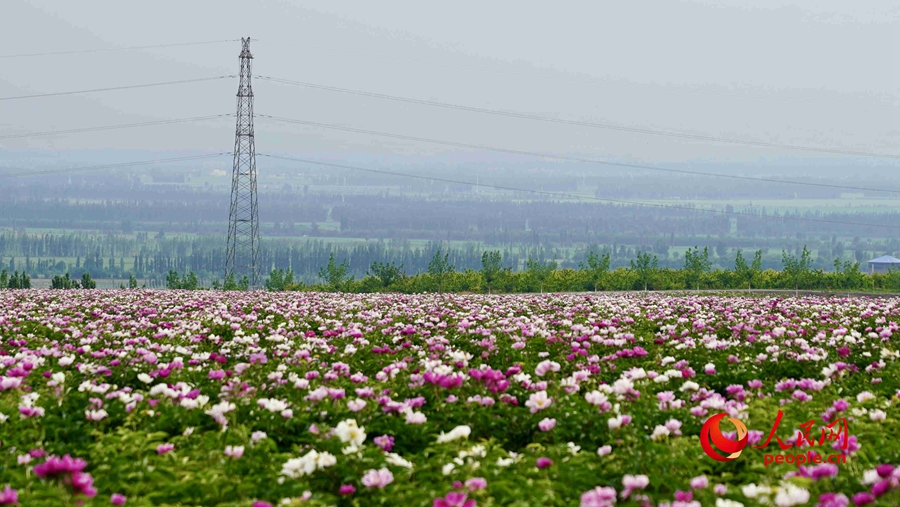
{"x":114,"y":127}
{"x":103,"y":50}
{"x":166,"y":83}
{"x":112,"y":166}
{"x":572,"y":159}
{"x":623,"y":128}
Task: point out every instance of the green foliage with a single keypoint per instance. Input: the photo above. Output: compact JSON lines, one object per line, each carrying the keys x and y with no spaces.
{"x":280,"y":280}
{"x":64,"y":282}
{"x":797,"y":270}
{"x":596,"y":268}
{"x":696,"y":264}
{"x":539,"y":270}
{"x":387,"y":273}
{"x":335,"y":275}
{"x":439,"y":267}
{"x":646,"y":266}
{"x":16,"y":281}
{"x":187,"y":281}
{"x":4,"y":279}
{"x":87,"y":282}
{"x":491,"y":267}
{"x":132,"y":282}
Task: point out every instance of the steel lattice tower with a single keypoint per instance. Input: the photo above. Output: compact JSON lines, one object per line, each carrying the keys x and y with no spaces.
{"x":242,"y":255}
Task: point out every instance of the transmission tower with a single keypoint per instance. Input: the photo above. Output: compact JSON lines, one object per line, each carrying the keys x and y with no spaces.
{"x":242,"y":255}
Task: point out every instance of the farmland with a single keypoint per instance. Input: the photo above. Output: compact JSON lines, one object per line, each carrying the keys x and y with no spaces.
{"x":254,"y":398}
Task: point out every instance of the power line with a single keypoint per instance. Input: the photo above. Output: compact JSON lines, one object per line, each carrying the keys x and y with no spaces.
{"x":573,"y":159}
{"x":166,"y":83}
{"x":639,"y":130}
{"x":113,"y":166}
{"x":114,"y":127}
{"x":103,"y":50}
{"x":576,"y":196}
{"x":591,"y":79}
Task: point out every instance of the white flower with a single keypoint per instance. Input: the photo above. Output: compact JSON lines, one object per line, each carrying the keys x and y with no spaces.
{"x":3,"y":417}
{"x":690,"y":385}
{"x":790,"y":495}
{"x":573,"y":448}
{"x":877,"y":415}
{"x":67,"y":360}
{"x":505,"y":462}
{"x":662,"y":379}
{"x":614,"y":423}
{"x":660,"y":432}
{"x":538,"y":401}
{"x":753,"y":491}
{"x":95,"y":415}
{"x":871,"y":477}
{"x":455,"y":433}
{"x":623,"y":385}
{"x":415,"y":418}
{"x":724,"y":502}
{"x":349,"y":432}
{"x":188,"y":432}
{"x":356,"y":405}
{"x":596,"y":398}
{"x":446,"y":469}
{"x":273,"y":405}
{"x":604,"y":450}
{"x":325,"y":459}
{"x":395,"y":459}
{"x":257,"y":436}
{"x":143,"y":377}
{"x":864,"y":396}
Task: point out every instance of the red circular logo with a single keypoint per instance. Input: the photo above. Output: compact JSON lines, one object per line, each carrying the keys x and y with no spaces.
{"x":710,"y":435}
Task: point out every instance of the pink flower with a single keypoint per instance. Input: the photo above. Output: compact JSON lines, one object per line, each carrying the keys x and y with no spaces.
{"x":863,"y":498}
{"x":720,"y":489}
{"x":377,"y":478}
{"x":454,"y":499}
{"x":547,"y":424}
{"x":632,"y":482}
{"x":544,"y":462}
{"x":56,"y":466}
{"x":599,"y":497}
{"x":476,"y":483}
{"x":164,"y":448}
{"x":234,"y":452}
{"x":346,"y":489}
{"x":699,"y":482}
{"x":260,"y":503}
{"x":117,"y":499}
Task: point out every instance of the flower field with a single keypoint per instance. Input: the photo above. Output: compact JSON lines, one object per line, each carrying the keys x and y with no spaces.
{"x":137,"y":397}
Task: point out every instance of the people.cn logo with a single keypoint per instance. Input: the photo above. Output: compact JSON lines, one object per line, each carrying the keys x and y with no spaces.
{"x":712,"y":439}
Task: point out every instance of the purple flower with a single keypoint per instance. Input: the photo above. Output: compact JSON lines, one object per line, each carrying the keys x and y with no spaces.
{"x":117,"y":499}
{"x":884,"y":470}
{"x":544,"y":462}
{"x":385,"y":442}
{"x":346,"y":489}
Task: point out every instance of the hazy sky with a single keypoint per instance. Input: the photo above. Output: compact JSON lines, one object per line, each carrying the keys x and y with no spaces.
{"x":814,"y":72}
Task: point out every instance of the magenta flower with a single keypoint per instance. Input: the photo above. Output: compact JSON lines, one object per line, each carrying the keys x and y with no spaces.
{"x":863,"y":499}
{"x":454,"y":499}
{"x":544,"y":462}
{"x":164,"y":448}
{"x":260,"y":503}
{"x":117,"y":499}
{"x":56,"y":466}
{"x":347,"y":489}
{"x":9,"y":496}
{"x":833,"y":500}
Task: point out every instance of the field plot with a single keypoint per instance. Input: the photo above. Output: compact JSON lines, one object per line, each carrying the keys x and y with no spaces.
{"x":253,"y":399}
